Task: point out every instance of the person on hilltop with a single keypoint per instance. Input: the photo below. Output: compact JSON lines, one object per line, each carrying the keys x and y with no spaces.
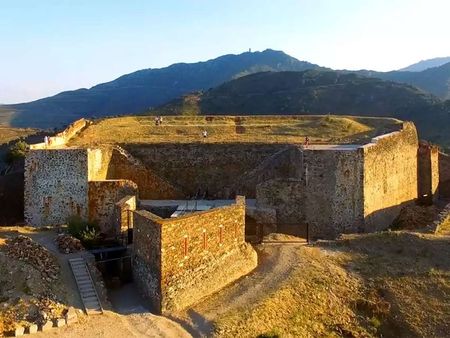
{"x":306,"y":142}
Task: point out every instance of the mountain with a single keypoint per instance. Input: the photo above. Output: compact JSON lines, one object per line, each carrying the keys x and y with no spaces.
{"x":320,"y":92}
{"x":425,"y":64}
{"x":136,"y":92}
{"x":433,"y":80}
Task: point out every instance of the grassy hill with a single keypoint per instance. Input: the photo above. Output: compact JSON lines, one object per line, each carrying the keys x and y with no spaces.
{"x":223,"y":129}
{"x":136,"y":92}
{"x":320,"y":92}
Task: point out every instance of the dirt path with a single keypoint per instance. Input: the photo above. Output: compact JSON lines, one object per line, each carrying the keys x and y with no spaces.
{"x":276,"y":262}
{"x":112,"y":325}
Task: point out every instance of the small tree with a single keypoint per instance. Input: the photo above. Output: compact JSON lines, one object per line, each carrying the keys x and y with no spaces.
{"x":17,"y":151}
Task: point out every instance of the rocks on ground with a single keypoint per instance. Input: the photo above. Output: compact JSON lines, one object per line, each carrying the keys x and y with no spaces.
{"x":25,"y":249}
{"x":68,"y":244}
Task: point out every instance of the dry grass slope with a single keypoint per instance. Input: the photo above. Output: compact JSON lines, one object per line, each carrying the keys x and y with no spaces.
{"x":8,"y":134}
{"x":267,"y":129}
{"x":390,"y":284}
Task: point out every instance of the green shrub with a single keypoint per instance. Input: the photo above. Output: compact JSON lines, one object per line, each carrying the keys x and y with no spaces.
{"x":86,"y":232}
{"x":16,"y":151}
{"x":271,"y":334}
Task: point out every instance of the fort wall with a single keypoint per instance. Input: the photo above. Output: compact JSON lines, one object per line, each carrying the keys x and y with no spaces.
{"x":209,"y":167}
{"x":56,"y":186}
{"x":103,"y":196}
{"x":390,"y":176}
{"x":194,"y":251}
{"x":334,"y":197}
{"x":63,"y":137}
{"x":444,"y":175}
{"x":147,"y":257}
{"x":428,"y":172}
{"x":151,"y":186}
{"x":326,"y":195}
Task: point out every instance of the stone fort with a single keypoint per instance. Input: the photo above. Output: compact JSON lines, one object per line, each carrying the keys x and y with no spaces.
{"x":191,"y":205}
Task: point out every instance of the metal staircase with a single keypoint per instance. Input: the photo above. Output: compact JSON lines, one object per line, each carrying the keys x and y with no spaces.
{"x":86,"y":287}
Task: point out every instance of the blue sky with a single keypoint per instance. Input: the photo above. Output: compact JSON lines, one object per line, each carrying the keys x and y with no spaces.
{"x":47,"y":46}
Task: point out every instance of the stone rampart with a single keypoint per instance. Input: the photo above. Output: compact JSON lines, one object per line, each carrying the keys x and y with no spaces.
{"x":147,"y":257}
{"x":326,"y":195}
{"x":200,"y":253}
{"x":444,"y":175}
{"x":390,"y":176}
{"x":151,"y":186}
{"x":63,"y":137}
{"x":428,"y":172}
{"x":205,"y":167}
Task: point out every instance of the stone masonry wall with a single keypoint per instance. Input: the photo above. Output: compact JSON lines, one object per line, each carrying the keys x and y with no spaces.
{"x":192,"y":245}
{"x":428,"y":172}
{"x":203,"y":166}
{"x":63,"y":137}
{"x":103,"y":196}
{"x":151,"y":186}
{"x":147,"y":257}
{"x":123,"y":213}
{"x":201,"y":253}
{"x":99,"y":160}
{"x":390,"y":176}
{"x":327,"y":195}
{"x":334,"y":197}
{"x":444,"y":175}
{"x":56,"y":186}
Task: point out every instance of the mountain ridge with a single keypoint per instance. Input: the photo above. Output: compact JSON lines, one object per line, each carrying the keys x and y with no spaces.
{"x":137,"y":91}
{"x":426,"y":64}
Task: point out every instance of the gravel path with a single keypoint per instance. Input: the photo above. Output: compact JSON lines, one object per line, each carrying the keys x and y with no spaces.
{"x":276,"y":262}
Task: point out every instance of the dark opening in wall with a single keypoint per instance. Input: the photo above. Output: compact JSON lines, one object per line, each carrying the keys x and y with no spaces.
{"x":161,"y":211}
{"x":115,"y":265}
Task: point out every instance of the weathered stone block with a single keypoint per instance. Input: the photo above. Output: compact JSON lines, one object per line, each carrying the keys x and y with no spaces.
{"x":19,"y":331}
{"x":71,"y":316}
{"x":60,"y":322}
{"x":32,"y":329}
{"x":46,"y":326}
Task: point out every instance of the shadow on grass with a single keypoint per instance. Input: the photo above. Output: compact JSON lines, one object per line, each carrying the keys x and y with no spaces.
{"x":405,"y":275}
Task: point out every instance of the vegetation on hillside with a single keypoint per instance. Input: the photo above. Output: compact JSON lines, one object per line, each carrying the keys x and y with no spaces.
{"x":435,"y":80}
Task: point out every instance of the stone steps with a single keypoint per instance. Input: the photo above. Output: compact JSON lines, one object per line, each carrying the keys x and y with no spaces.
{"x":86,"y":286}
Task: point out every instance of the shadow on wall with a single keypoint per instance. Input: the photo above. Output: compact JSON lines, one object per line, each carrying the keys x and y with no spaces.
{"x":11,"y":199}
{"x":216,"y":168}
{"x":382,"y":219}
{"x":444,"y":175}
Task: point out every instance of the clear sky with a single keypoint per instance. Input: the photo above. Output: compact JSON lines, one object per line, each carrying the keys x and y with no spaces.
{"x":47,"y":46}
